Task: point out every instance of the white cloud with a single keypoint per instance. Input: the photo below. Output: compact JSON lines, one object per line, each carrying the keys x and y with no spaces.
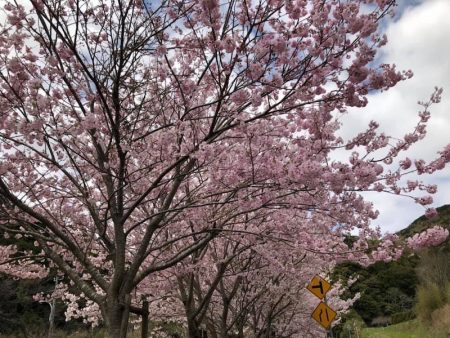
{"x":418,"y":40}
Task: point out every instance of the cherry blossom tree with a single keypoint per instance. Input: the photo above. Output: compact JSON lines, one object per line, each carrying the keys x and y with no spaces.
{"x":244,"y":287}
{"x":256,"y":285}
{"x":134,"y":133}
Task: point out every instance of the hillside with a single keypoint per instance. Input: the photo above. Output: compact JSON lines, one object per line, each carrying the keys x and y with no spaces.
{"x":423,"y":223}
{"x":388,"y":290}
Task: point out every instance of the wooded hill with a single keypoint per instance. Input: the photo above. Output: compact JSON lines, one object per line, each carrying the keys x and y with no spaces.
{"x":423,"y":223}
{"x":388,"y":290}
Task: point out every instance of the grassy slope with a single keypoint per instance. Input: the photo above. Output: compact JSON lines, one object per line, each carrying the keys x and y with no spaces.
{"x":411,"y":329}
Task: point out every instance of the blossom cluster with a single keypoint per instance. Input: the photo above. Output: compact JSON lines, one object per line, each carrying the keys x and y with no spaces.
{"x":430,"y":237}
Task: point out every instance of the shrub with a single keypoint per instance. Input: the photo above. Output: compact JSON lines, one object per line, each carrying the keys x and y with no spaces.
{"x":404,"y":316}
{"x":429,"y":299}
{"x":352,"y":327}
{"x":434,"y":267}
{"x":440,"y":320}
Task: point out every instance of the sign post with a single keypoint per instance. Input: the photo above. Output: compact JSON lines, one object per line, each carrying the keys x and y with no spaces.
{"x":322,"y":314}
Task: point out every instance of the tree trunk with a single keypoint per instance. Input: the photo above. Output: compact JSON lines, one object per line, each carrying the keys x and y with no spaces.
{"x":195,"y":331}
{"x":116,"y":320}
{"x":145,"y":313}
{"x":51,"y":318}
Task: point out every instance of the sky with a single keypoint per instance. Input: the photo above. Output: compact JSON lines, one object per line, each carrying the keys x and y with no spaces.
{"x":419,"y":39}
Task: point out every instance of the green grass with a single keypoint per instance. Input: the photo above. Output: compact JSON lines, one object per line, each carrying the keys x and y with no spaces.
{"x":410,"y":329}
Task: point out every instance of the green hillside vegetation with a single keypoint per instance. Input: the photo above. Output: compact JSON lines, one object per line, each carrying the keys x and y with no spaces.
{"x":25,"y":317}
{"x":398,"y":291}
{"x":385,"y":288}
{"x":20,"y":314}
{"x":423,"y":223}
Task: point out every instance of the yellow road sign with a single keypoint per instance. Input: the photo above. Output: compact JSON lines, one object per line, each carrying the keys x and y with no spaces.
{"x":324,"y":315}
{"x":319,"y":287}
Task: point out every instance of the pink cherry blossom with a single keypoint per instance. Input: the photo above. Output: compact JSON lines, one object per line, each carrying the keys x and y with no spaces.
{"x":150,"y":151}
{"x":430,"y":237}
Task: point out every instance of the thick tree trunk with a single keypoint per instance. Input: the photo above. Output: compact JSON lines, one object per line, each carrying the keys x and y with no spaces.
{"x":116,"y":320}
{"x":195,"y":331}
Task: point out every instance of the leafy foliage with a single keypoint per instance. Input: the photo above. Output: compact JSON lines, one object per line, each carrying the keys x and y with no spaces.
{"x":389,"y":289}
{"x":385,"y":288}
{"x":18,"y":310}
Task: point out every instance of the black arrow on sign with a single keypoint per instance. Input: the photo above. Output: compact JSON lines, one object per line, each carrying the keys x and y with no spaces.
{"x":320,"y":315}
{"x":319,"y":287}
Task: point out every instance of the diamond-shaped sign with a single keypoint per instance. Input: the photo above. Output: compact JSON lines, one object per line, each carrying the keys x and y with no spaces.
{"x":319,"y":287}
{"x":324,"y":315}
